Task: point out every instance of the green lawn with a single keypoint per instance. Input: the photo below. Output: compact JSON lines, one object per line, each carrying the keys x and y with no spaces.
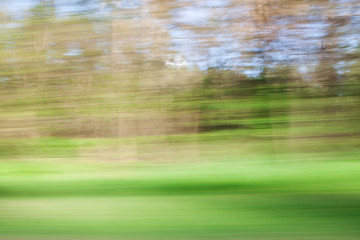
{"x":227,"y":200}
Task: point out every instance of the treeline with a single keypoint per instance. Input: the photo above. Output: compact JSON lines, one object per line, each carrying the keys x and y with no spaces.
{"x":120,"y":73}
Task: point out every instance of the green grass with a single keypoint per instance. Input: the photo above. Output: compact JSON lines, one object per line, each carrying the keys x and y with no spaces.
{"x":289,"y":171}
{"x":226,"y":200}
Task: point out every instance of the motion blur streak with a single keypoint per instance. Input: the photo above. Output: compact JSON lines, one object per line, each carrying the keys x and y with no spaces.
{"x":177,"y":119}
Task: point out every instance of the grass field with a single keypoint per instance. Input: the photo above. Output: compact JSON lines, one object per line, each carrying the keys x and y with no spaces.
{"x":289,"y":170}
{"x":227,"y":200}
